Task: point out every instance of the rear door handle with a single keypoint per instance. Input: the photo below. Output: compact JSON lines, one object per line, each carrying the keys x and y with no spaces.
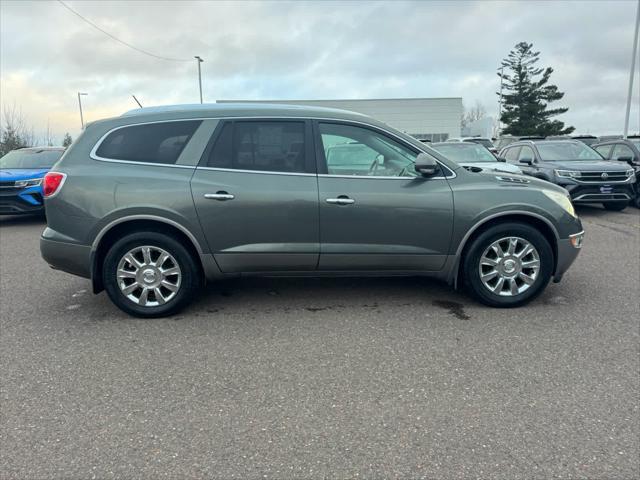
{"x":221,"y":196}
{"x":341,"y":200}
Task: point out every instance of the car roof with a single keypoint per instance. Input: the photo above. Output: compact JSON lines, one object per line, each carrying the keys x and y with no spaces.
{"x":41,"y":149}
{"x":543,"y":141}
{"x":245,"y":109}
{"x":456,"y":144}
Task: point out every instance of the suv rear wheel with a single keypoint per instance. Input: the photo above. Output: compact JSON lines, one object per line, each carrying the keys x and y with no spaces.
{"x":508,"y":265}
{"x":148,"y":274}
{"x":615,"y":206}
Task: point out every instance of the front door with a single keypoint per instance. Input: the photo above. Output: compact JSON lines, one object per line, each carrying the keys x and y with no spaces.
{"x":256,"y":195}
{"x":376,"y":212}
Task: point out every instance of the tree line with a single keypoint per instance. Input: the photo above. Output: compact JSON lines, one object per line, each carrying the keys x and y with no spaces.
{"x":15,"y":132}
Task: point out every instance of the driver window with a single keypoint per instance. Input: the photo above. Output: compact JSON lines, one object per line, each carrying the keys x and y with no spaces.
{"x":351,"y":150}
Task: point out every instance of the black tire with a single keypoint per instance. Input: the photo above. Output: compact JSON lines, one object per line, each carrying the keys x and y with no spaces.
{"x":615,"y":206}
{"x":637,"y":200}
{"x":190,"y":274}
{"x":471,"y":264}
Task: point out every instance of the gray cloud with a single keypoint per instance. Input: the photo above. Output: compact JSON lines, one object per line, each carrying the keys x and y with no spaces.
{"x":309,"y":50}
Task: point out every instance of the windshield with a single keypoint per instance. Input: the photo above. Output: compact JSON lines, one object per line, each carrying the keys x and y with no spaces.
{"x":30,"y":159}
{"x":466,"y":152}
{"x":561,"y":151}
{"x":482,"y":141}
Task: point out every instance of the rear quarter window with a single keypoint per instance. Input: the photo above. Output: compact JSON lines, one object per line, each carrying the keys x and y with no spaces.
{"x":149,"y":143}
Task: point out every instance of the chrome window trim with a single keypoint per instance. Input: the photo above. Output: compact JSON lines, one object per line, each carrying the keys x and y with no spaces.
{"x":265,"y":172}
{"x":95,"y":148}
{"x":372,"y":177}
{"x":94,"y":155}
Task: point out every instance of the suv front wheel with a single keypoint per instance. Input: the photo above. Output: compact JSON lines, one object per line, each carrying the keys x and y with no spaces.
{"x":508,"y":265}
{"x":148,"y":274}
{"x":615,"y":206}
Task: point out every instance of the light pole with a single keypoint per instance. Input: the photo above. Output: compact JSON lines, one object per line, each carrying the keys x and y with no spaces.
{"x":80,"y":105}
{"x":199,"y":75}
{"x":631,"y":74}
{"x":500,"y":105}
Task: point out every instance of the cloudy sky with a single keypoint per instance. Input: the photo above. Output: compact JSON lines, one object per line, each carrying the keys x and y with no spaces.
{"x":308,"y":50}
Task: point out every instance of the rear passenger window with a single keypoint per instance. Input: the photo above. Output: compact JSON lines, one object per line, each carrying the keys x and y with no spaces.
{"x":151,"y":143}
{"x":262,"y":146}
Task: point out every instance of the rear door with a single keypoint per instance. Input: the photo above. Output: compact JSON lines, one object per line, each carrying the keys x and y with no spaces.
{"x":256,"y":195}
{"x":376,"y":212}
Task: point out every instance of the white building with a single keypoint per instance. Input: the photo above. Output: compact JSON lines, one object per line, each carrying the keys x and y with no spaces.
{"x":434,"y":119}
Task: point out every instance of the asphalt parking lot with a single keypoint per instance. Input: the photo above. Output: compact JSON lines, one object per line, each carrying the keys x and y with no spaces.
{"x":273,"y":378}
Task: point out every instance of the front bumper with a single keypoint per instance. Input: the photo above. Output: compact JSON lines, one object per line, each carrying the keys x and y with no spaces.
{"x":68,"y":257}
{"x":568,"y":250}
{"x":600,"y":193}
{"x":15,"y":202}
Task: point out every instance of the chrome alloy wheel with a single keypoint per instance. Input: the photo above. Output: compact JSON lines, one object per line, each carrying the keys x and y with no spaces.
{"x":149,"y":276}
{"x":509,"y":266}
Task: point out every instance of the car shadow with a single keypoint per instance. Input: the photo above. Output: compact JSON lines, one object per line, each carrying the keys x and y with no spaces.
{"x":35,"y":219}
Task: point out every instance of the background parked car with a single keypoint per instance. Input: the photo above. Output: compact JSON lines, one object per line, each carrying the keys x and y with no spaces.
{"x":473,"y":155}
{"x":21,"y":174}
{"x":625,"y":151}
{"x":580,"y":169}
{"x":485,"y":142}
{"x":586,"y":139}
{"x":505,"y":140}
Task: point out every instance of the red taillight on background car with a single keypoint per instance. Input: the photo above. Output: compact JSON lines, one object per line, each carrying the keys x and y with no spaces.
{"x":52,"y":183}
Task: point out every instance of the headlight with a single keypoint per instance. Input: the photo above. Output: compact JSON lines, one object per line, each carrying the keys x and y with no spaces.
{"x":561,"y":199}
{"x":28,"y":183}
{"x":567,"y":173}
{"x":630,"y":172}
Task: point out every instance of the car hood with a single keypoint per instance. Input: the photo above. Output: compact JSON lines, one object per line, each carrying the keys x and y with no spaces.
{"x":497,"y":166}
{"x":14,"y":174}
{"x":590,"y":165}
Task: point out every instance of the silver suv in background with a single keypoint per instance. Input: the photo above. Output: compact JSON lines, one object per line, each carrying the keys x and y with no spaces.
{"x":152,"y":204}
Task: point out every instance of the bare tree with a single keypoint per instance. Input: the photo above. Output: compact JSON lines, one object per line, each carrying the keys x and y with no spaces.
{"x":14,"y":131}
{"x":476,"y":112}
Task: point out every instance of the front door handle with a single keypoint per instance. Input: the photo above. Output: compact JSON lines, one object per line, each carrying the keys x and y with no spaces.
{"x":341,"y":200}
{"x":221,"y":196}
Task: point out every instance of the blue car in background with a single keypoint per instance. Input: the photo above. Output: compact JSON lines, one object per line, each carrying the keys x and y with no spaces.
{"x":21,"y":173}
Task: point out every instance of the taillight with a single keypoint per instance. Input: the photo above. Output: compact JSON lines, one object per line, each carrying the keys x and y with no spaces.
{"x":52,"y":183}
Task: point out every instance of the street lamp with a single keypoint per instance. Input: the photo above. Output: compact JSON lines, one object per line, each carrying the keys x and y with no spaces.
{"x":80,"y":105}
{"x":632,"y":72}
{"x":199,"y":75}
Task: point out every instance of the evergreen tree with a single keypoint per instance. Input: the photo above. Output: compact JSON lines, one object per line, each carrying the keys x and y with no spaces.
{"x":67,"y":140}
{"x":528,"y":94}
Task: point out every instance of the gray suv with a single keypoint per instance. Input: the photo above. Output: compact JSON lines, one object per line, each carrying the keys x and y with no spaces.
{"x":152,"y":204}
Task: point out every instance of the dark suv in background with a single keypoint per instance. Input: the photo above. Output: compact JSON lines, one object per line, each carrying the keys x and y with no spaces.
{"x":580,"y":169}
{"x":623,"y":150}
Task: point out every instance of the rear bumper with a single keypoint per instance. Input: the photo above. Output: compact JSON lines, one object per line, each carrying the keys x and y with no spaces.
{"x":68,"y":257}
{"x":568,"y":250}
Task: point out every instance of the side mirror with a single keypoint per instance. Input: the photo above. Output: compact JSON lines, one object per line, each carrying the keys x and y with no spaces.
{"x":501,"y":159}
{"x":426,"y":165}
{"x":526,"y":161}
{"x":627,"y":159}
